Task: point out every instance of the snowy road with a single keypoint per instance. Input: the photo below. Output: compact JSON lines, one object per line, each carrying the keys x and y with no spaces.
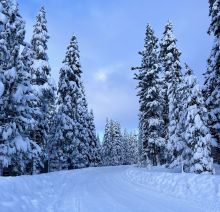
{"x":105,"y":189}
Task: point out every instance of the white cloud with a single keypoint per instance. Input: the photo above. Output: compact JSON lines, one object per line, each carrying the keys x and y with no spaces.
{"x":103,"y":73}
{"x":100,"y":76}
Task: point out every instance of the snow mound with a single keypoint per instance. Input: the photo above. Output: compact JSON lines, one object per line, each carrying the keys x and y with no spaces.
{"x":204,"y":189}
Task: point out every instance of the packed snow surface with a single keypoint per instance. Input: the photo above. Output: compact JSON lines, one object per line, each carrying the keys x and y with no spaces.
{"x":111,"y":189}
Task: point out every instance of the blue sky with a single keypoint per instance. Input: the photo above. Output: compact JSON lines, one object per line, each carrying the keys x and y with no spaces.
{"x":110,"y":33}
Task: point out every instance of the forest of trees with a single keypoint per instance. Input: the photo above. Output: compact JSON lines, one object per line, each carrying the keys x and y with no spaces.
{"x":179,"y":122}
{"x":44,"y":127}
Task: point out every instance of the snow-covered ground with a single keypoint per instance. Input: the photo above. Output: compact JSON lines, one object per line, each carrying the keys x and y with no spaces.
{"x":111,"y":189}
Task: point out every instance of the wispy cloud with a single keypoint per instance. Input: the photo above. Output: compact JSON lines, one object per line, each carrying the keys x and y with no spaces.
{"x":103,"y":74}
{"x":100,"y":75}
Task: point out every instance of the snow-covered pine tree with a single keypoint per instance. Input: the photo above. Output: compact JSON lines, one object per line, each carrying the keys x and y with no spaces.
{"x":170,"y":60}
{"x":31,"y":101}
{"x":82,"y":118}
{"x":150,"y":100}
{"x":98,"y":140}
{"x":16,"y":148}
{"x":68,"y":94}
{"x":39,"y":43}
{"x":140,"y":143}
{"x":106,"y":146}
{"x":197,"y":152}
{"x":57,"y":155}
{"x":126,"y":146}
{"x":45,"y":89}
{"x":95,"y":149}
{"x":117,"y":145}
{"x":72,"y":130}
{"x":130,"y":143}
{"x":211,"y":90}
{"x":112,"y":148}
{"x":5,"y":155}
{"x":99,"y":147}
{"x":133,"y":141}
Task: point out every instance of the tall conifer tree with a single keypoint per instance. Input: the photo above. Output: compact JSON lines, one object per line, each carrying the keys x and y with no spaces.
{"x":43,"y":85}
{"x":150,"y":100}
{"x":75,"y":130}
{"x":211,"y":90}
{"x":112,"y":148}
{"x":16,"y":148}
{"x":197,"y":150}
{"x":170,"y":60}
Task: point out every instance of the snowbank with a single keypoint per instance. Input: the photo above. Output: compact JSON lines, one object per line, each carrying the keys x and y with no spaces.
{"x":204,"y":189}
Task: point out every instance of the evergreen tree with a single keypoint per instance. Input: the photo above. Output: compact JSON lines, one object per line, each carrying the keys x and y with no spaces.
{"x":43,"y":85}
{"x":112,"y":148}
{"x":126,"y":148}
{"x":4,"y":153}
{"x":117,"y":145}
{"x":170,"y":60}
{"x":86,"y":136}
{"x":60,"y":127}
{"x":211,"y":90}
{"x":16,"y":148}
{"x":106,"y":146}
{"x":39,"y":43}
{"x":98,"y":140}
{"x":133,"y":141}
{"x":150,"y":100}
{"x":72,"y":133}
{"x":198,"y":146}
{"x":31,"y":101}
{"x":140,"y":144}
{"x":130,"y":143}
{"x":95,"y":149}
